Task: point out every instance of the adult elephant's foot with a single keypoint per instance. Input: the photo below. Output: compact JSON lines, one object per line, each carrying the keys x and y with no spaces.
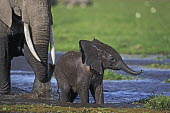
{"x":5,"y":93}
{"x":33,"y":96}
{"x":5,"y":90}
{"x":5,"y":87}
{"x":41,"y":90}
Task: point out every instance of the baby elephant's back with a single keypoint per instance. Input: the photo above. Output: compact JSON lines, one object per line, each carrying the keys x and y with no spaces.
{"x":67,"y":63}
{"x":69,"y":59}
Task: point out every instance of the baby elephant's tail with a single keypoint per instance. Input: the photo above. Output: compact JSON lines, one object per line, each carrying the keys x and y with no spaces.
{"x":58,"y":92}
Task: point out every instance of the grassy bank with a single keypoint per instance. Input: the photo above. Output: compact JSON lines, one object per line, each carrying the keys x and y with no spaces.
{"x":157,"y":102}
{"x":130,"y":26}
{"x":58,"y":109}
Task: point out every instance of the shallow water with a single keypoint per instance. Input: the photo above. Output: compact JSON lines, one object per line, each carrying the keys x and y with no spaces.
{"x":115,"y":91}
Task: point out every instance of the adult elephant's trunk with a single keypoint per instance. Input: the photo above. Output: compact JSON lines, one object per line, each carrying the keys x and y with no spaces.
{"x":39,"y":20}
{"x":31,"y":46}
{"x":43,"y":57}
{"x":40,"y":37}
{"x":125,"y":68}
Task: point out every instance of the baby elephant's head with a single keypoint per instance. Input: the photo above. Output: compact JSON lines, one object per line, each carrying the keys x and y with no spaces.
{"x":100,"y":56}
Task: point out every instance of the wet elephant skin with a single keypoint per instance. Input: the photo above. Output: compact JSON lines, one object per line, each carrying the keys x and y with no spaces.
{"x":79,"y":72}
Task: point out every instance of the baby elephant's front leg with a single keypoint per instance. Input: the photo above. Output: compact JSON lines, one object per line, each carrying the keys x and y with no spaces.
{"x":99,"y":97}
{"x":84,"y":94}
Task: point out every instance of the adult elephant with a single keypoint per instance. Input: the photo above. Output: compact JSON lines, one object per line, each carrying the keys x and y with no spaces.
{"x":26,"y":24}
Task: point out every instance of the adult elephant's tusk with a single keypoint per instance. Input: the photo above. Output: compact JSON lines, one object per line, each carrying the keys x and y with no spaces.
{"x":52,"y":47}
{"x":29,"y":41}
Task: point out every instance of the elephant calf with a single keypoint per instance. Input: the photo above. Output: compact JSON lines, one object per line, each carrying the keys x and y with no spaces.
{"x":78,"y":72}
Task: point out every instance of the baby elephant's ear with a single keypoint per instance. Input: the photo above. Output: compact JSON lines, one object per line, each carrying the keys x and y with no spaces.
{"x":90,"y":56}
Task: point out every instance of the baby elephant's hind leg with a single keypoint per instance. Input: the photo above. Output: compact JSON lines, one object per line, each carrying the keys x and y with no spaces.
{"x":64,"y":87}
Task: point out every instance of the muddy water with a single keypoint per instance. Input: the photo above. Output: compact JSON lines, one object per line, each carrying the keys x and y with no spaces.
{"x":121,"y":91}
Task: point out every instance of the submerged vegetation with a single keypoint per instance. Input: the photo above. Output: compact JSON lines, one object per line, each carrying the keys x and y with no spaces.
{"x":160,"y":66}
{"x":108,"y":75}
{"x":167,"y":81}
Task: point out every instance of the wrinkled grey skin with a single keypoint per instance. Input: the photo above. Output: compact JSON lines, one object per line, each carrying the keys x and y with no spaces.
{"x":13,"y":14}
{"x":78,"y":72}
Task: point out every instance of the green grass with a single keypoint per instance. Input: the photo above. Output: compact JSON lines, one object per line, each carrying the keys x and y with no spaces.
{"x":58,"y":109}
{"x":108,"y":75}
{"x":159,"y":103}
{"x":114,"y":22}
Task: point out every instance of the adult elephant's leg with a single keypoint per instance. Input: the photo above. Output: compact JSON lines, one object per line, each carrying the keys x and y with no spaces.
{"x":42,"y":89}
{"x":5,"y":65}
{"x":41,"y":72}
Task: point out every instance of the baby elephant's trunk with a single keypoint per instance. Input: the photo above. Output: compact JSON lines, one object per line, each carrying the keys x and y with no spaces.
{"x":125,"y":68}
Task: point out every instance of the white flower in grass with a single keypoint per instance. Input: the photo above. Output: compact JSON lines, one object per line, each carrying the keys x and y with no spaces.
{"x":153,"y":10}
{"x":138,"y":15}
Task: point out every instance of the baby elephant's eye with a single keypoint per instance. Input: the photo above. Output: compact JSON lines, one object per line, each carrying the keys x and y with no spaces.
{"x":114,"y":60}
{"x":111,"y":58}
